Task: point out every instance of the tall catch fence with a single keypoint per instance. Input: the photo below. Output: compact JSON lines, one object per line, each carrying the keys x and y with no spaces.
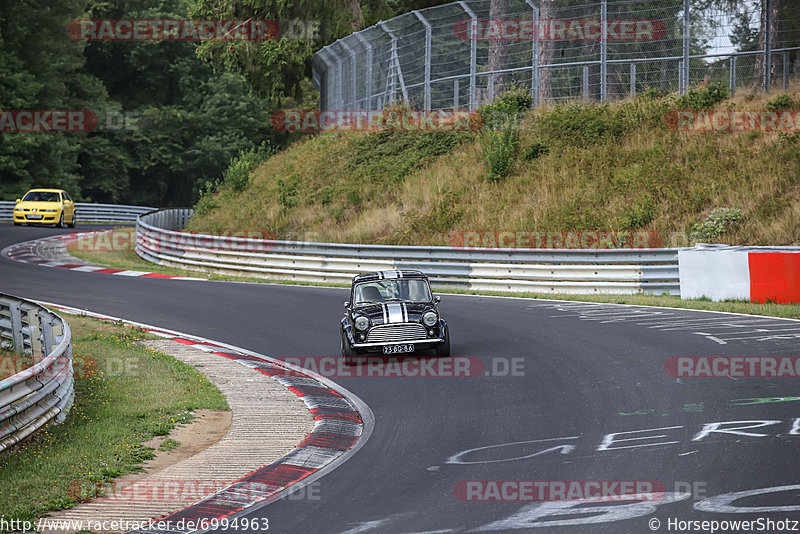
{"x":458,"y":56}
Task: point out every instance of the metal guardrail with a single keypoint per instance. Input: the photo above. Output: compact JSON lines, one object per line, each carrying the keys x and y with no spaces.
{"x":43,"y":392}
{"x":90,"y":212}
{"x":585,"y":271}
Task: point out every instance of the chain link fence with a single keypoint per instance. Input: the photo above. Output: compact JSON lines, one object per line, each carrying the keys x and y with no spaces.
{"x":458,"y":56}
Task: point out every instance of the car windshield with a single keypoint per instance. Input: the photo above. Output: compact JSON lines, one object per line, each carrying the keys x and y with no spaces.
{"x":413,"y":289}
{"x":42,"y":196}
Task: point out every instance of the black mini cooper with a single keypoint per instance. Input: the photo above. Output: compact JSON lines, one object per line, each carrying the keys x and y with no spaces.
{"x":392,"y":312}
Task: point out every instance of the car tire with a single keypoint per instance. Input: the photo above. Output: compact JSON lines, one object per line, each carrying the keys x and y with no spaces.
{"x":74,"y":221}
{"x":443,"y":349}
{"x":348,"y":353}
{"x":60,"y":223}
{"x":17,"y":224}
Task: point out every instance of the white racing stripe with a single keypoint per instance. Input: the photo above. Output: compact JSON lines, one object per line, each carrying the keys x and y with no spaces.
{"x":396,"y":313}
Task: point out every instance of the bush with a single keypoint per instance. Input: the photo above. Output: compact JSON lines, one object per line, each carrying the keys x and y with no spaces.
{"x":651,"y":93}
{"x":236,"y":177}
{"x":509,"y":107}
{"x":718,"y":222}
{"x":781,"y":102}
{"x":704,"y":97}
{"x":538,"y":148}
{"x":499,"y":148}
{"x":206,"y":202}
{"x":583,"y":124}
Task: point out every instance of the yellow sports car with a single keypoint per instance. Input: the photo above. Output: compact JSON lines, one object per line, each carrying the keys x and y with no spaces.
{"x":45,"y":206}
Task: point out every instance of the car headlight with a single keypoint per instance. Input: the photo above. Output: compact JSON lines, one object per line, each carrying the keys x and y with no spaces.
{"x":429,"y":318}
{"x":361,"y":322}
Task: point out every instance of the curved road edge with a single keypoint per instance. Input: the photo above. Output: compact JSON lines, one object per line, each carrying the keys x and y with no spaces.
{"x":331,"y":443}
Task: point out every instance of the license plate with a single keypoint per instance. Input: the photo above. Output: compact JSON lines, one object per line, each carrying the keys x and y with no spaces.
{"x":398,"y":349}
{"x":34,"y":217}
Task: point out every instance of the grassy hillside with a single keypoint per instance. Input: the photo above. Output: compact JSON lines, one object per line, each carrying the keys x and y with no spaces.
{"x":572,"y":167}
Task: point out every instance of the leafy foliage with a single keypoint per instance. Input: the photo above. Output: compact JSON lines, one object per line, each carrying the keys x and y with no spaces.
{"x":704,"y":97}
{"x":718,"y":222}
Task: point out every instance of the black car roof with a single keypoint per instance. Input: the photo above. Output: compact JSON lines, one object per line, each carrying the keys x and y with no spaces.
{"x":383,"y":275}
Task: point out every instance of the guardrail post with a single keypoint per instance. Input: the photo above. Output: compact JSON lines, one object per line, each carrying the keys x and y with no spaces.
{"x":473,"y":53}
{"x":603,"y":50}
{"x":35,"y":334}
{"x":47,"y":334}
{"x":16,"y":327}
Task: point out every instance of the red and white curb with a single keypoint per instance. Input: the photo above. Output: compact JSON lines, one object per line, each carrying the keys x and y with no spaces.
{"x":343,"y":423}
{"x":29,"y":252}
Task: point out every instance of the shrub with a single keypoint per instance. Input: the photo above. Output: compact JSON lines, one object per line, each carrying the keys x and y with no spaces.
{"x":781,"y":102}
{"x":236,"y":177}
{"x":717,"y":223}
{"x":582,"y":124}
{"x":499,"y":148}
{"x":651,"y":93}
{"x":206,"y":201}
{"x":704,"y":97}
{"x":509,"y":107}
{"x":536,"y":149}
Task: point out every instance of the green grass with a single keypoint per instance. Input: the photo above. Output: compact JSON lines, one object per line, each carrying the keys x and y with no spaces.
{"x":615,"y":166}
{"x":126,"y":394}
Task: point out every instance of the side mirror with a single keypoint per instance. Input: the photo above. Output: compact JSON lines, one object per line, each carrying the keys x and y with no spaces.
{"x":346,"y":304}
{"x":437,"y":299}
{"x":18,"y":200}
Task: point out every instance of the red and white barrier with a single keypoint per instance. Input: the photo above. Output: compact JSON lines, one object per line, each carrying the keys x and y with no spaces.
{"x":757,"y":274}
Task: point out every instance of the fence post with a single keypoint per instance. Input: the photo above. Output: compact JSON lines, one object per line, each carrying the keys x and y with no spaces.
{"x":733,"y":75}
{"x":428,"y":53}
{"x":585,"y":83}
{"x":684,"y":85}
{"x":455,"y":94}
{"x":490,"y":87}
{"x":395,"y":61}
{"x":473,"y":52}
{"x":633,"y":80}
{"x":767,"y":44}
{"x":368,"y":80}
{"x":535,"y":54}
{"x":603,"y":49}
{"x":352,"y":74}
{"x":785,"y":71}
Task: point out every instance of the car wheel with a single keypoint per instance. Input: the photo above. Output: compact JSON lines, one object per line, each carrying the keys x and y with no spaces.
{"x":348,"y":353}
{"x":443,"y":349}
{"x":74,"y":221}
{"x":60,"y":223}
{"x":17,"y":224}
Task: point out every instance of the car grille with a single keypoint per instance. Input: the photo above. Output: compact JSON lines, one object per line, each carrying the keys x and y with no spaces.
{"x":396,"y":332}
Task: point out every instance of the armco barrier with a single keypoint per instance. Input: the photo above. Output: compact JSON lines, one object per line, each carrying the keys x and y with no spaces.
{"x":90,"y":212}
{"x":43,"y":392}
{"x":585,"y":271}
{"x":757,"y":274}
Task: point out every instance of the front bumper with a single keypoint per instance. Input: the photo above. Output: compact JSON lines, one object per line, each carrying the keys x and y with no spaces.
{"x":415,"y":342}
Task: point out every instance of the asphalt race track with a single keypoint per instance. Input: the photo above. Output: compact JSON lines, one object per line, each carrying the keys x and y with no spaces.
{"x":586,"y":372}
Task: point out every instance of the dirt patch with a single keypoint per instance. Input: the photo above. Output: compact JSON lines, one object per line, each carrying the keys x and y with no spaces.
{"x":207,"y":428}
